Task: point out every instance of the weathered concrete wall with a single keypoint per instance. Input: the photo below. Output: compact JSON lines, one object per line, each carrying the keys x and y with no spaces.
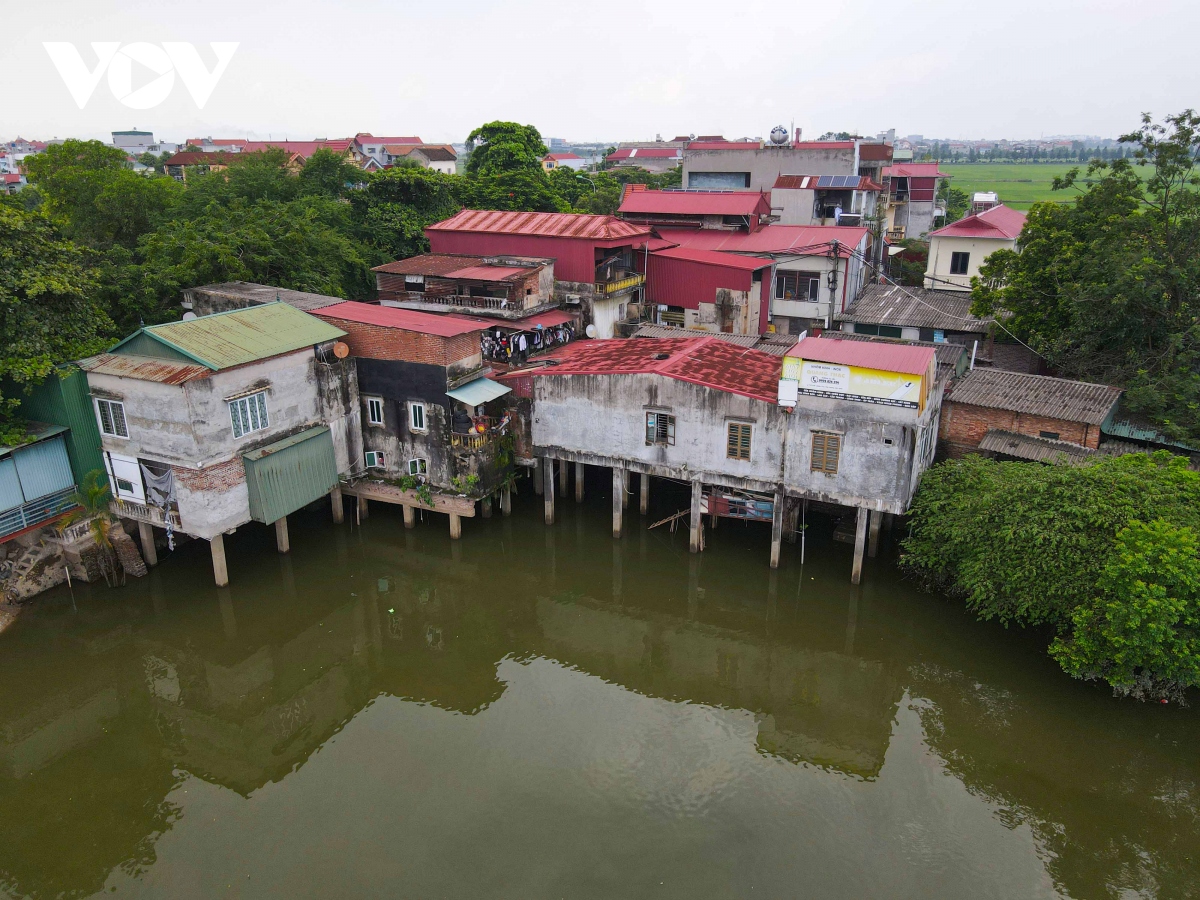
{"x":884,"y":448}
{"x":768,"y":163}
{"x":338,"y":395}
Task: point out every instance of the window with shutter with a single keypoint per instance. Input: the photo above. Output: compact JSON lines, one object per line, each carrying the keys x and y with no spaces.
{"x":826,"y":452}
{"x":660,"y":429}
{"x":738,"y":442}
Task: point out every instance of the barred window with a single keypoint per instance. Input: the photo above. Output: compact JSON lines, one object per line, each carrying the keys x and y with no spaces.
{"x":112,"y":418}
{"x":660,"y":429}
{"x":248,"y":414}
{"x":826,"y":452}
{"x":738,"y":444}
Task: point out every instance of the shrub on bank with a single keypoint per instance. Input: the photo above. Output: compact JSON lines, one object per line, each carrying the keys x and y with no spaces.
{"x":1106,"y":553}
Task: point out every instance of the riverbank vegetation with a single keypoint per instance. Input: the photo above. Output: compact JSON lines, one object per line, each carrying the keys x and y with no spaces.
{"x":1104,"y":554}
{"x":92,"y":250}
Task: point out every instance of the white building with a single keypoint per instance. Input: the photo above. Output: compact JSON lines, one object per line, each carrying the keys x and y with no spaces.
{"x":957,"y":251}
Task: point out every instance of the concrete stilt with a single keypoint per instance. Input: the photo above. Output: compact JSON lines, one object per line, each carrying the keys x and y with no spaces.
{"x":776,"y":528}
{"x":282,"y":544}
{"x":860,"y":545}
{"x":410,"y":516}
{"x":624,"y":489}
{"x":791,"y":522}
{"x":713,"y":520}
{"x":563,"y":474}
{"x":644,"y":498}
{"x":149,"y":551}
{"x":363,"y":511}
{"x":548,"y":488}
{"x":618,"y":495}
{"x":506,"y":500}
{"x":455,"y":526}
{"x":696,"y":521}
{"x":339,"y":511}
{"x":579,"y":470}
{"x":873,"y":534}
{"x":220,"y":571}
{"x":538,"y":476}
{"x":485,"y":507}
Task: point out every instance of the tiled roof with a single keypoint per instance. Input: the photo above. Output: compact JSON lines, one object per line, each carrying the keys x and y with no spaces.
{"x":696,"y":203}
{"x":1036,"y":395}
{"x":567,"y":225}
{"x":706,"y":361}
{"x":364,"y":137}
{"x":775,"y":345}
{"x":402,"y":319}
{"x":801,"y":240}
{"x":561,"y":156}
{"x":228,"y":339}
{"x":144,"y":368}
{"x":304,"y":149}
{"x":912,"y":307}
{"x":999,"y":222}
{"x":432,"y":152}
{"x":910,"y":359}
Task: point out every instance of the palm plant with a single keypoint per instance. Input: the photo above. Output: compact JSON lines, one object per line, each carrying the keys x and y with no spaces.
{"x":92,"y":505}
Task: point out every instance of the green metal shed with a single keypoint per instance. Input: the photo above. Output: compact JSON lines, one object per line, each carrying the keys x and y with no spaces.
{"x":289,"y":474}
{"x":63,"y":399}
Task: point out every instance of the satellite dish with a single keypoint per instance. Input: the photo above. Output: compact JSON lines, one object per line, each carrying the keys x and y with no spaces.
{"x":779,"y":135}
{"x":188,"y":316}
{"x":341,"y":350}
{"x":590,"y":331}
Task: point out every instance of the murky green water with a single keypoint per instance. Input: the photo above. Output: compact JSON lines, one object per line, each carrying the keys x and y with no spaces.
{"x":538,"y":712}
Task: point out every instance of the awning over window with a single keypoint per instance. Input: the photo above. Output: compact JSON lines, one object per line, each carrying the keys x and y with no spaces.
{"x":479,"y":391}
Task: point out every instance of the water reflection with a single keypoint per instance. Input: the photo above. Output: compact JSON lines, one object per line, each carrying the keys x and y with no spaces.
{"x":552,"y":711}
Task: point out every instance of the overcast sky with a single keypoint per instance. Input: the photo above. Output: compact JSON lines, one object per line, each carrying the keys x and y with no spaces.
{"x":619,"y":71}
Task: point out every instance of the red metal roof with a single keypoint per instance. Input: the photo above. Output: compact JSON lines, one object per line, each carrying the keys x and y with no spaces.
{"x":801,"y":240}
{"x":546,"y":320}
{"x":403,"y":319}
{"x":714,"y":258}
{"x":429,"y":264}
{"x":905,"y":358}
{"x":875,"y":152}
{"x":724,"y":145}
{"x":708,"y":361}
{"x":651,"y":152}
{"x":809,"y":183}
{"x":304,"y":148}
{"x":824,"y":145}
{"x":914,"y":170}
{"x":144,"y":368}
{"x":489,"y":273}
{"x":696,"y":203}
{"x":566,"y":225}
{"x":998,"y":222}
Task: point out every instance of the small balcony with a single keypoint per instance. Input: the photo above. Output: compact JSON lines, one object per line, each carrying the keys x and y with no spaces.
{"x":485,"y":430}
{"x":899,"y":196}
{"x":140,"y":512}
{"x":626,"y":284}
{"x":36,"y":512}
{"x":895,"y":234}
{"x":499,"y":307}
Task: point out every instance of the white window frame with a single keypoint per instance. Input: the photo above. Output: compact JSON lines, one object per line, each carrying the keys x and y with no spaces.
{"x":374,"y":404}
{"x":113,"y":406}
{"x":374,"y":459}
{"x":417,"y":410}
{"x":418,"y":466}
{"x":255,"y":418}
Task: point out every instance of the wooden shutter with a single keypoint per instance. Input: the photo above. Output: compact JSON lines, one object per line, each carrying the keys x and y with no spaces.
{"x":826,"y":452}
{"x":738,"y":444}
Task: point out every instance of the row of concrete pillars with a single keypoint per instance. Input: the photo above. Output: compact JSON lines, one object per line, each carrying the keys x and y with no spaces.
{"x":868,"y":522}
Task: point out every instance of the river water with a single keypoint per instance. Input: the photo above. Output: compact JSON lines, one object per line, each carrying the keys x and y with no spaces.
{"x":543,"y":712}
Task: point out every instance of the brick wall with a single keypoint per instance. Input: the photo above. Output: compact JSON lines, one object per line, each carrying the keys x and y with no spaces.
{"x":964,"y":425}
{"x":381,"y":342}
{"x":219,"y":478}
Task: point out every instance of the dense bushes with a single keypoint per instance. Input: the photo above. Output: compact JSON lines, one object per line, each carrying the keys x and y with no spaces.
{"x":1105,"y":553}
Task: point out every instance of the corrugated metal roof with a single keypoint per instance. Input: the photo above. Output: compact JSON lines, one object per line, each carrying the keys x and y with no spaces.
{"x":810,"y":183}
{"x":235,"y":338}
{"x":776,"y":345}
{"x":695,"y":203}
{"x":429,"y":264}
{"x":545,"y":320}
{"x":646,"y":152}
{"x":402,"y":319}
{"x":906,"y":358}
{"x":288,"y":474}
{"x":1036,"y":395}
{"x":489,"y":273}
{"x":999,"y":222}
{"x":144,"y":368}
{"x":706,"y":361}
{"x":566,"y":225}
{"x":912,"y":307}
{"x":800,"y":240}
{"x":261,"y":294}
{"x":714,"y":258}
{"x":1035,"y":449}
{"x":947,"y":353}
{"x":914,"y":170}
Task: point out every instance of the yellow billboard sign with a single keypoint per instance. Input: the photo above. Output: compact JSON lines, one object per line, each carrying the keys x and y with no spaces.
{"x":854,"y":382}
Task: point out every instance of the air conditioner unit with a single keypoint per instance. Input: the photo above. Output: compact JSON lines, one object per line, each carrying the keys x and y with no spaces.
{"x":374,"y":459}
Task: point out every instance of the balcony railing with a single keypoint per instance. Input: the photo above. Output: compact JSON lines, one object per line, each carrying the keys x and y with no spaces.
{"x":473,"y":441}
{"x":494,"y":306}
{"x":140,"y":512}
{"x":895,"y":234}
{"x":620,"y":286}
{"x":35,"y":512}
{"x":899,"y":196}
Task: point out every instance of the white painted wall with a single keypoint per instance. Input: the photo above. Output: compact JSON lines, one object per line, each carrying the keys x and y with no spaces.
{"x":941,"y":247}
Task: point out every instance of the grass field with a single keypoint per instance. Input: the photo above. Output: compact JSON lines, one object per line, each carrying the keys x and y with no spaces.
{"x":1019,"y":185}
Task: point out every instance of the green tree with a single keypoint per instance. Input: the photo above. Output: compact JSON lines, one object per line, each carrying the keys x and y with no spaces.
{"x":1141,"y":631}
{"x":526,"y":191}
{"x":1108,"y":287}
{"x":499,"y":148}
{"x":92,"y":506}
{"x":47,"y":311}
{"x":396,"y":205}
{"x":957,"y":202}
{"x":329,"y":174}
